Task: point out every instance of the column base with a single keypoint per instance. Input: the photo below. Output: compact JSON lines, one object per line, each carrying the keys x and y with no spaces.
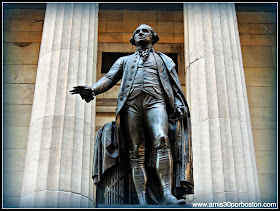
{"x":55,"y":199}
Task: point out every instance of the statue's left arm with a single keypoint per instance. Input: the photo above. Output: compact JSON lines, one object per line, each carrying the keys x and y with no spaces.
{"x":181,"y":109}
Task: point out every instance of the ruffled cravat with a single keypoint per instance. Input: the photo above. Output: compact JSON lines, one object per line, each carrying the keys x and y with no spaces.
{"x":144,"y":54}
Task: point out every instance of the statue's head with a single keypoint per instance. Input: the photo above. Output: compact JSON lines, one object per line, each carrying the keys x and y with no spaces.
{"x":144,"y":33}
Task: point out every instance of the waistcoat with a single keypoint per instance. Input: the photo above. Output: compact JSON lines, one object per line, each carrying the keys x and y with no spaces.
{"x":147,"y":78}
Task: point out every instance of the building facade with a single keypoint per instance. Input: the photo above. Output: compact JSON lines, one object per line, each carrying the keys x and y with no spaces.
{"x":226,"y":62}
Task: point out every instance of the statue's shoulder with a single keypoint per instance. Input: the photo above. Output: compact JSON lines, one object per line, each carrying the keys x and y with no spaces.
{"x":166,"y":58}
{"x":123,"y":59}
{"x":127,"y":57}
{"x":162,"y":54}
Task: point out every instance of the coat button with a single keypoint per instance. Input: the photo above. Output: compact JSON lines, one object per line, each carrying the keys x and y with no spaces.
{"x":132,"y":66}
{"x":130,"y":79}
{"x":121,"y":98}
{"x":127,"y":86}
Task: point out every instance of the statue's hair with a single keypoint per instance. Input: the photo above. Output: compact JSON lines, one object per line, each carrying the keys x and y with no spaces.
{"x":155,"y":37}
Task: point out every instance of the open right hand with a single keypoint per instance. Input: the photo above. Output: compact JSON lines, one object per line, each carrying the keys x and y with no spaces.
{"x":86,"y":92}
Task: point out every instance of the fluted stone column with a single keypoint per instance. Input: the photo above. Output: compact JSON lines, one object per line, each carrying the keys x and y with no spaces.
{"x":60,"y":144}
{"x":224,"y":161}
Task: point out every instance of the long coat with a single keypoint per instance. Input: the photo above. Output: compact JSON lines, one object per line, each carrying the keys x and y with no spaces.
{"x":125,"y":68}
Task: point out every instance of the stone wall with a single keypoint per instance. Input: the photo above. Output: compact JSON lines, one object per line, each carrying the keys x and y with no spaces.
{"x":22,"y":25}
{"x":258,"y":44}
{"x":117,"y":26}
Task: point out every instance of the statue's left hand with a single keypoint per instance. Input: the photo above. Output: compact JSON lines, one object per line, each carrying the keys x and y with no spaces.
{"x":180,"y":112}
{"x":86,"y":92}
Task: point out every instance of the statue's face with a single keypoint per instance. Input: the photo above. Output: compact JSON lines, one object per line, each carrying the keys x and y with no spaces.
{"x":143,"y":34}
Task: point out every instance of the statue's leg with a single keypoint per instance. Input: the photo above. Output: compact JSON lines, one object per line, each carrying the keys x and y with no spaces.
{"x":157,"y":121}
{"x":134,"y":126}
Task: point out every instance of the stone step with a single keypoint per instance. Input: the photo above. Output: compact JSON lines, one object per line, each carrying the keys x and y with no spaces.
{"x":141,"y":206}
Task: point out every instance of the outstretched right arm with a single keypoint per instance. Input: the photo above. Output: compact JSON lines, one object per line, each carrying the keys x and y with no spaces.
{"x":110,"y":79}
{"x":104,"y":84}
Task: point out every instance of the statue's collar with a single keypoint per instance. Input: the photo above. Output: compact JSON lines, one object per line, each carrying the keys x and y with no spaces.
{"x":148,"y":49}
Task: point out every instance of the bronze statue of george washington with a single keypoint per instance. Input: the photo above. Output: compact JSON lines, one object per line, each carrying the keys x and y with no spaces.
{"x":152,"y":117}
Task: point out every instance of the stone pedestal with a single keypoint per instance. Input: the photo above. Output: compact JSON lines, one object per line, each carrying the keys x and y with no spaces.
{"x":60,"y":144}
{"x":223,"y":153}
